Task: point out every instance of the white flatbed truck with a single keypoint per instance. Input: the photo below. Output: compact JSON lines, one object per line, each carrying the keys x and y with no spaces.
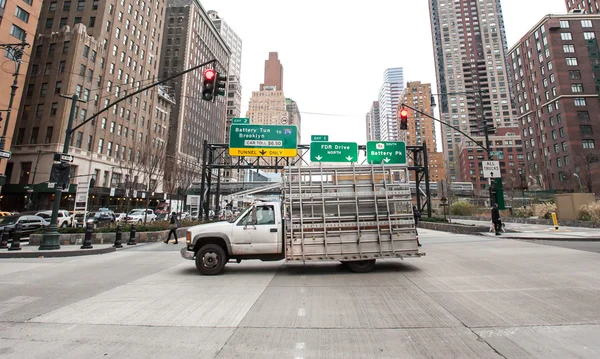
{"x":354,"y":214}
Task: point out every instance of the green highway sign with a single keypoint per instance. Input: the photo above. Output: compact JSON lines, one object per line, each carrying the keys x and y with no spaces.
{"x":319,"y":138}
{"x":386,"y":152}
{"x":238,"y":120}
{"x":263,"y":140}
{"x":333,"y":152}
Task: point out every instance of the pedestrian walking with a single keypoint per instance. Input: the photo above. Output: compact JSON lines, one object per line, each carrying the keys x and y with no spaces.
{"x":417,"y":215}
{"x":496,"y":219}
{"x":173,"y":225}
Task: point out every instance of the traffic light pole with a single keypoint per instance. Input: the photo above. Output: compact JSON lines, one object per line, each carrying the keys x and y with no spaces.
{"x":50,"y":239}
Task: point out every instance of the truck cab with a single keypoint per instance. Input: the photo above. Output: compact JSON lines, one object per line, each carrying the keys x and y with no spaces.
{"x":257,"y":233}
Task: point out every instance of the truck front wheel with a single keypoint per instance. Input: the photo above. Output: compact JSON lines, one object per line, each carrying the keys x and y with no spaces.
{"x":211,"y":259}
{"x":361,"y":266}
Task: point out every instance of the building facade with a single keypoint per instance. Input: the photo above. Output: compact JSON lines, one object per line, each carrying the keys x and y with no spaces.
{"x":470,"y":47}
{"x":586,"y":6}
{"x":421,"y":129}
{"x":273,"y":72}
{"x":99,"y":50}
{"x":372,"y":122}
{"x":506,"y":141}
{"x":556,"y":69}
{"x":18,"y":23}
{"x":191,"y":38}
{"x":393,"y":85}
{"x":234,"y":92}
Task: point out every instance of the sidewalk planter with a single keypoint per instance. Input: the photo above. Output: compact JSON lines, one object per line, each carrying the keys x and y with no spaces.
{"x":453,"y":228}
{"x":108,"y":238}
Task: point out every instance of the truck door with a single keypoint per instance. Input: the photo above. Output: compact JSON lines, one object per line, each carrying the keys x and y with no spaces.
{"x":257,"y":232}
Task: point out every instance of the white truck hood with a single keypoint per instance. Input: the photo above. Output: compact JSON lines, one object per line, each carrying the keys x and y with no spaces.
{"x":223,"y":227}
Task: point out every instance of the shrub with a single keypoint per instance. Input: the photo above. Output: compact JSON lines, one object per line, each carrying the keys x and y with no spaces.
{"x":544,"y":210}
{"x":462,"y":209}
{"x":150,"y":227}
{"x":523,"y":212}
{"x":434,"y":219}
{"x":589,"y":212}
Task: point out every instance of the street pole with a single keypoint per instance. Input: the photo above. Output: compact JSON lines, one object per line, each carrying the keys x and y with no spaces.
{"x":488,"y":146}
{"x":51,"y":238}
{"x":16,"y":51}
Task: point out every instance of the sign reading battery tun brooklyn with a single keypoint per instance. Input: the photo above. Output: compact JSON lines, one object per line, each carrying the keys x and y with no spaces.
{"x":263,"y":140}
{"x":379,"y":152}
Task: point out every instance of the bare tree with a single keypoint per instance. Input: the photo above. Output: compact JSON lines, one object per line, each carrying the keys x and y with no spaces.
{"x":587,"y":167}
{"x":188,"y":173}
{"x":151,"y":160}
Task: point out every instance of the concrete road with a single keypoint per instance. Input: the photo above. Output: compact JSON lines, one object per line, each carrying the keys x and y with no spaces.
{"x":470,"y":297}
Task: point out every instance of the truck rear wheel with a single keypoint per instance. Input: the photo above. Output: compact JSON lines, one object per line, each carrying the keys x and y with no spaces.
{"x":211,"y":259}
{"x":361,"y":266}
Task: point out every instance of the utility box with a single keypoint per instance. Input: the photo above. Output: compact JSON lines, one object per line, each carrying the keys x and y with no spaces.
{"x":568,"y":205}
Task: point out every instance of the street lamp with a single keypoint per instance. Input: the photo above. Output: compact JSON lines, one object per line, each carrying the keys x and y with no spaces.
{"x":579,"y":181}
{"x":521,"y":175}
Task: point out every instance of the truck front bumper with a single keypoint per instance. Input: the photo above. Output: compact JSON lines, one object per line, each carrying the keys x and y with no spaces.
{"x":187,"y":254}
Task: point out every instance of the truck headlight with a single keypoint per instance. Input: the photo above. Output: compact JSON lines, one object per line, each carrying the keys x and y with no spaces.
{"x":188,"y":238}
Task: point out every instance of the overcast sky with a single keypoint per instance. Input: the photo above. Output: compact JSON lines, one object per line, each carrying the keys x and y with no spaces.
{"x":334,"y":54}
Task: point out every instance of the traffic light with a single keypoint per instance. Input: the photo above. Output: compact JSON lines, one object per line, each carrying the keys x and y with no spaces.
{"x":221,"y":85}
{"x":208,"y":87}
{"x":404,"y":119}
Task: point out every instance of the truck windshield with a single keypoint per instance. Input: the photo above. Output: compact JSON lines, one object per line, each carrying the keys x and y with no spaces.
{"x":235,"y":218}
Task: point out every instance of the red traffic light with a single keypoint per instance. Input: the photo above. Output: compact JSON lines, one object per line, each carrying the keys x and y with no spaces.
{"x":404,"y":114}
{"x":209,"y":74}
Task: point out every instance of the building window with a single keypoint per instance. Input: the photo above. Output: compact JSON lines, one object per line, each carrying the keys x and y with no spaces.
{"x":103,"y":123}
{"x":95,"y":5}
{"x":586,"y":23}
{"x":588,"y":144}
{"x":86,"y":51}
{"x":589,"y":35}
{"x":100,"y":145}
{"x":44,"y":89}
{"x":54,"y":109}
{"x":586,"y":130}
{"x":571,"y":61}
{"x":583,"y":115}
{"x":80,"y":5}
{"x":78,"y":139}
{"x":67,"y":6}
{"x":579,"y":101}
{"x":568,"y":48}
{"x":109,"y":148}
{"x":34,"y":135}
{"x":17,"y":32}
{"x":20,"y":136}
{"x":52,"y":6}
{"x":566,"y":36}
{"x":25,"y":171}
{"x":575,"y":75}
{"x":61,"y":67}
{"x":22,"y":14}
{"x":49,"y":131}
{"x":577,"y":87}
{"x":92,"y":21}
{"x":112,"y":127}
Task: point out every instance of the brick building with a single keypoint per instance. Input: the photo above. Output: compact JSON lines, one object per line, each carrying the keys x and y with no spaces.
{"x":556,"y":73}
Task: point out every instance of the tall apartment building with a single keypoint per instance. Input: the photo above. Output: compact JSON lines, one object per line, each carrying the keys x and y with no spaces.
{"x":469,"y":42}
{"x":234,"y":91}
{"x":586,"y":6}
{"x":273,"y":72}
{"x":294,"y":117}
{"x":18,"y":22}
{"x":191,"y":38}
{"x":421,"y":129}
{"x":393,"y":85}
{"x":373,"y":123}
{"x":267,"y":107}
{"x":556,"y":68}
{"x":99,"y":50}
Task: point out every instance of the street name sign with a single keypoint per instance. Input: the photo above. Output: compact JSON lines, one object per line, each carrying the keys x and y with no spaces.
{"x":263,"y":140}
{"x":5,"y":154}
{"x":386,"y":152}
{"x":491,"y":169}
{"x":321,"y":138}
{"x":333,"y":152}
{"x":240,"y":120}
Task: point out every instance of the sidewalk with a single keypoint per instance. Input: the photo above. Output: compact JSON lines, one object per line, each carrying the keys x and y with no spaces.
{"x":540,"y":232}
{"x":28,"y":251}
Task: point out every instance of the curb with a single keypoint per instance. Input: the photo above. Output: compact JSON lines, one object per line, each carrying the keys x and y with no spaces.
{"x":593,"y":239}
{"x":58,"y":254}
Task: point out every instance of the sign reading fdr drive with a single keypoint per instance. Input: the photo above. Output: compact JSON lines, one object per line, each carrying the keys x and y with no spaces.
{"x":263,"y":140}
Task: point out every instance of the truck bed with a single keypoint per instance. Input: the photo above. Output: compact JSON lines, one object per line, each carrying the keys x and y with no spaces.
{"x":348,"y":213}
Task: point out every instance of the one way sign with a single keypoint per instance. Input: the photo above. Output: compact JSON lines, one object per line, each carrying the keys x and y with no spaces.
{"x":62,"y":157}
{"x":491,"y":169}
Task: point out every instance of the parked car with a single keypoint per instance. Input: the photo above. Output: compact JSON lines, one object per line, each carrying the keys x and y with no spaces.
{"x":98,"y":219}
{"x":140,"y":216}
{"x":120,"y":217}
{"x":29,"y":224}
{"x":64,"y":218}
